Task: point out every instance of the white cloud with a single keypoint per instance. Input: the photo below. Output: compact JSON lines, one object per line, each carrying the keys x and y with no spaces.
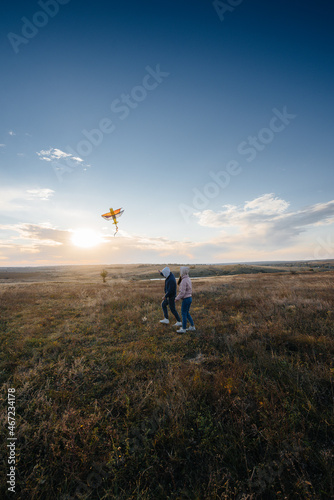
{"x":266,"y":221}
{"x":260,"y":210}
{"x":267,"y":204}
{"x":11,"y":132}
{"x":55,"y":154}
{"x":2,"y":145}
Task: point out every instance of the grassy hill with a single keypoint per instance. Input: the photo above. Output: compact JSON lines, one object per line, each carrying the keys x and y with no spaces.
{"x":112,"y":404}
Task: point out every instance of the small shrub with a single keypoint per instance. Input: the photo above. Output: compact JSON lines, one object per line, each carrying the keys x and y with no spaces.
{"x":103,"y":275}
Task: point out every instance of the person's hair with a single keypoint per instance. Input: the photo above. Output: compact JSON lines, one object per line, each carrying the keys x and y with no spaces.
{"x":179,"y":280}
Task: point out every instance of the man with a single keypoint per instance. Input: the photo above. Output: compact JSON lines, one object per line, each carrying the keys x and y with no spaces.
{"x":169,"y":297}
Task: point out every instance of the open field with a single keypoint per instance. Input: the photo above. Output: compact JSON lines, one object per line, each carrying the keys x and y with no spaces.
{"x":75,"y":274}
{"x":111,"y":404}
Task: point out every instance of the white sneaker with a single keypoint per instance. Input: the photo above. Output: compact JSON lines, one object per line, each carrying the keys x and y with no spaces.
{"x":181,"y":331}
{"x":165,"y":321}
{"x":191,"y":329}
{"x":178,"y":323}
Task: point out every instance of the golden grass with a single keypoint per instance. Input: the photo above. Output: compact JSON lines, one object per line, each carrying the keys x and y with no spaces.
{"x":111,"y":404}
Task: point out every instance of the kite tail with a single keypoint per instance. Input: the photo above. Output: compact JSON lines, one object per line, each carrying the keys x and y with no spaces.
{"x":116,"y":230}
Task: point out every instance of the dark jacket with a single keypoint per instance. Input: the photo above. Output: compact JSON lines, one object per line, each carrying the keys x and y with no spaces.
{"x":170,"y":286}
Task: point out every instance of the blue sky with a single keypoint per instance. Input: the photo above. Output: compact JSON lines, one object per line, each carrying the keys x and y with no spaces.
{"x":209,"y":122}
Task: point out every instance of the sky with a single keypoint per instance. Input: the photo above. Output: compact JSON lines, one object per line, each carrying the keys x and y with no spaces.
{"x":209,"y":122}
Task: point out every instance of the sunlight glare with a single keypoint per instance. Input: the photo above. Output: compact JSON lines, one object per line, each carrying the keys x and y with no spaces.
{"x":85,"y":238}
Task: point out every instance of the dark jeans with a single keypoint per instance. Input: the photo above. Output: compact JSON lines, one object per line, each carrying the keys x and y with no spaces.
{"x":186,"y":303}
{"x":170,"y":301}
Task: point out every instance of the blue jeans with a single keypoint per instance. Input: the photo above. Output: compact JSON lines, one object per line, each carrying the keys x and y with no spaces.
{"x":171,"y":302}
{"x":186,"y":303}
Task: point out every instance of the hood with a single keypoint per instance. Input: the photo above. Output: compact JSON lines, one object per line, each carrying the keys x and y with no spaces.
{"x":184,"y":270}
{"x":165,"y":272}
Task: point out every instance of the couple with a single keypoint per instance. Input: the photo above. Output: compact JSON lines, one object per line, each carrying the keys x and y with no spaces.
{"x":170,"y":297}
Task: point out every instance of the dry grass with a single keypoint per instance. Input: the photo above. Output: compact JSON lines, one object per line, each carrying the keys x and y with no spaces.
{"x":110,"y":404}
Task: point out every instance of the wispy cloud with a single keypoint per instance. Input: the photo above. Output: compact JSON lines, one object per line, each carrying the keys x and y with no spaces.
{"x":161,"y":246}
{"x":55,"y":154}
{"x":43,"y":234}
{"x":11,"y":132}
{"x":18,"y":198}
{"x":2,"y":145}
{"x":23,"y":243}
{"x":261,"y":229}
{"x":35,"y":235}
{"x":41,"y":194}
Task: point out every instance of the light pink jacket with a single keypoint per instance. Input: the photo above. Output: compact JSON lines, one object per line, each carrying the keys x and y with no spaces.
{"x":185,"y":289}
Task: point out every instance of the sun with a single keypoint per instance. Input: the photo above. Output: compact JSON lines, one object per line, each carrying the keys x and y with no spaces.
{"x":85,"y":238}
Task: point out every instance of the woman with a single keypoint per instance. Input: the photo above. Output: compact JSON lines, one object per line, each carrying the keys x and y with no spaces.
{"x":185,"y":293}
